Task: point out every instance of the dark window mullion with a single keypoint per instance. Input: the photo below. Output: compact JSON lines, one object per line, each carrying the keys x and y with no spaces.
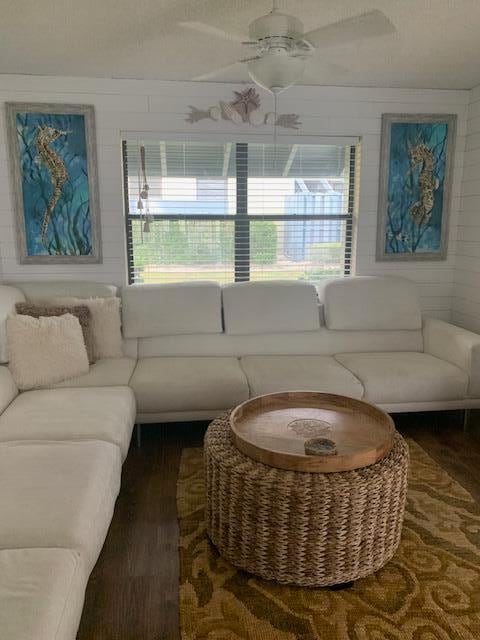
{"x":242,"y":223}
{"x":347,"y":265}
{"x":223,"y":218}
{"x":128,"y":218}
{"x":275,"y":217}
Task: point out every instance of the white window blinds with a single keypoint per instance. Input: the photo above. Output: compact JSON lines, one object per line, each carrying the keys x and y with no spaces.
{"x":237,"y":211}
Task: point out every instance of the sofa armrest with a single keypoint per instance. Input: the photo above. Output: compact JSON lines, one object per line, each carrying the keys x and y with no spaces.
{"x":455,"y":345}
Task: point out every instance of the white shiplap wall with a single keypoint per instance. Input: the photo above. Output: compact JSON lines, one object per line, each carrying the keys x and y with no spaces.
{"x":145,"y":106}
{"x":466,"y":291}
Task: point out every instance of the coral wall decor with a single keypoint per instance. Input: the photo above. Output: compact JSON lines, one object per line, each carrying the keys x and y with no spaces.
{"x":244,"y":108}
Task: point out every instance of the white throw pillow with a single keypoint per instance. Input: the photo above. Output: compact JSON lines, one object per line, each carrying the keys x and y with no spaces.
{"x":46,"y":350}
{"x":105,"y":323}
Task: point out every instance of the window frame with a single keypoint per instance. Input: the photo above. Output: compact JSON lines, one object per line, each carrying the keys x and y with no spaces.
{"x":241,"y":217}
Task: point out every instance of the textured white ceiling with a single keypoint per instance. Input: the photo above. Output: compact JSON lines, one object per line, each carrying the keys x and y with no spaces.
{"x":437,"y":43}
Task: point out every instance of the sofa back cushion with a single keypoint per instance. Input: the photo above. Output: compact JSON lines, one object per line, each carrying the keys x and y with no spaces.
{"x":38,"y":291}
{"x":8,"y":389}
{"x":270,"y":307}
{"x":371,"y":304}
{"x":171,"y":309}
{"x":9,"y":296}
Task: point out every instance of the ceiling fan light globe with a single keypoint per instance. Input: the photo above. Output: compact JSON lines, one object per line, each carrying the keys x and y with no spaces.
{"x":276,"y":72}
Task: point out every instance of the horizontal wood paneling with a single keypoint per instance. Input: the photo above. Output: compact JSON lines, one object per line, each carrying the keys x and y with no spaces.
{"x":466,"y":289}
{"x":161,"y":107}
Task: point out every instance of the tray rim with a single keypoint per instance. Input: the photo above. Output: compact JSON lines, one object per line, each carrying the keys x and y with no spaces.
{"x":312,"y":464}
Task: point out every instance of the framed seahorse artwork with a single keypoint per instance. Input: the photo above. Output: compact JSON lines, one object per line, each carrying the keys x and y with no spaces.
{"x":54,"y":172}
{"x":416,"y":167}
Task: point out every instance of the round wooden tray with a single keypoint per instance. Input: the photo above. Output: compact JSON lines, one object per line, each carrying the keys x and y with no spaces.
{"x":277,"y":428}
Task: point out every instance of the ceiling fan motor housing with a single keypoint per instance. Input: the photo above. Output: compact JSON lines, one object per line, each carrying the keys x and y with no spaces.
{"x":276,"y":25}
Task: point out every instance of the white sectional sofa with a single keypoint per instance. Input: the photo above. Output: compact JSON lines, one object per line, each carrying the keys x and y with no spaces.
{"x":202,"y":348}
{"x":61,"y":452}
{"x":191,"y":351}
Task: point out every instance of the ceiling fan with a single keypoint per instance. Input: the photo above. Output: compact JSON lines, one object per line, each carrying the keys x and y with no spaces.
{"x":280,"y":48}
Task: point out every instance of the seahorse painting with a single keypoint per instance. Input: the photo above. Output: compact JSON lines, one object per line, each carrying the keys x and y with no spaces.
{"x":58,"y":172}
{"x":421,"y":211}
{"x":415,"y":186}
{"x":56,"y":185}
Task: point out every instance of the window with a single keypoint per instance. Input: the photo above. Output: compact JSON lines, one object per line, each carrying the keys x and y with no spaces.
{"x":237,"y":211}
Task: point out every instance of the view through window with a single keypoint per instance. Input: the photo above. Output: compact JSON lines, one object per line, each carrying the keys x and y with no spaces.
{"x":237,"y":211}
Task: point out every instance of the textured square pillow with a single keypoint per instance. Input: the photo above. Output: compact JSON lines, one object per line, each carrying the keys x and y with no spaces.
{"x":82,"y":312}
{"x":43,"y":351}
{"x":105,"y":323}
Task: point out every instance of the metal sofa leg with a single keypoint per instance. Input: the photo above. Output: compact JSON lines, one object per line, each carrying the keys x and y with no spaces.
{"x":138,"y":434}
{"x":466,"y":418}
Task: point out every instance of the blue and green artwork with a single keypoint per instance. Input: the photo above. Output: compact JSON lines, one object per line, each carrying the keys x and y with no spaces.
{"x":415,"y":205}
{"x":55,"y":200}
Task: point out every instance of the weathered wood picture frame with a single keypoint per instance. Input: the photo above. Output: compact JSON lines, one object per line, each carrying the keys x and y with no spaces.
{"x":416,"y":166}
{"x":55,"y":185}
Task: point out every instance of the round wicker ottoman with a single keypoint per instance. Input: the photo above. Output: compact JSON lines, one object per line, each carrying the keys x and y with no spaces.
{"x":305,"y":529}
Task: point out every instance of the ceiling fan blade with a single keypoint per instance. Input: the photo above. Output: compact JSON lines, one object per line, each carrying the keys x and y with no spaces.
{"x":367,"y":25}
{"x":245,"y":60}
{"x":208,"y":30}
{"x":211,"y":75}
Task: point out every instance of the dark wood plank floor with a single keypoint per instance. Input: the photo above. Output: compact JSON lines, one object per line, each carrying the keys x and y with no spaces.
{"x":133,"y":591}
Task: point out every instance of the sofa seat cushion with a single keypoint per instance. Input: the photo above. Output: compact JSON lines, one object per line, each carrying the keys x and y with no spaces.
{"x":405,"y":377}
{"x":103,"y":413}
{"x":269,"y":374}
{"x":188,"y":383}
{"x":58,"y":494}
{"x":109,"y":372}
{"x":41,"y":593}
{"x":8,"y":388}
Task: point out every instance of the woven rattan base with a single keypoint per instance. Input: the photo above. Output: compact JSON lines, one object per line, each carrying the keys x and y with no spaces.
{"x":306,"y":529}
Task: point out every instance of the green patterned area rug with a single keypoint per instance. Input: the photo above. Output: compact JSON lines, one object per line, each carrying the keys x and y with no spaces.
{"x":429,"y":591}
